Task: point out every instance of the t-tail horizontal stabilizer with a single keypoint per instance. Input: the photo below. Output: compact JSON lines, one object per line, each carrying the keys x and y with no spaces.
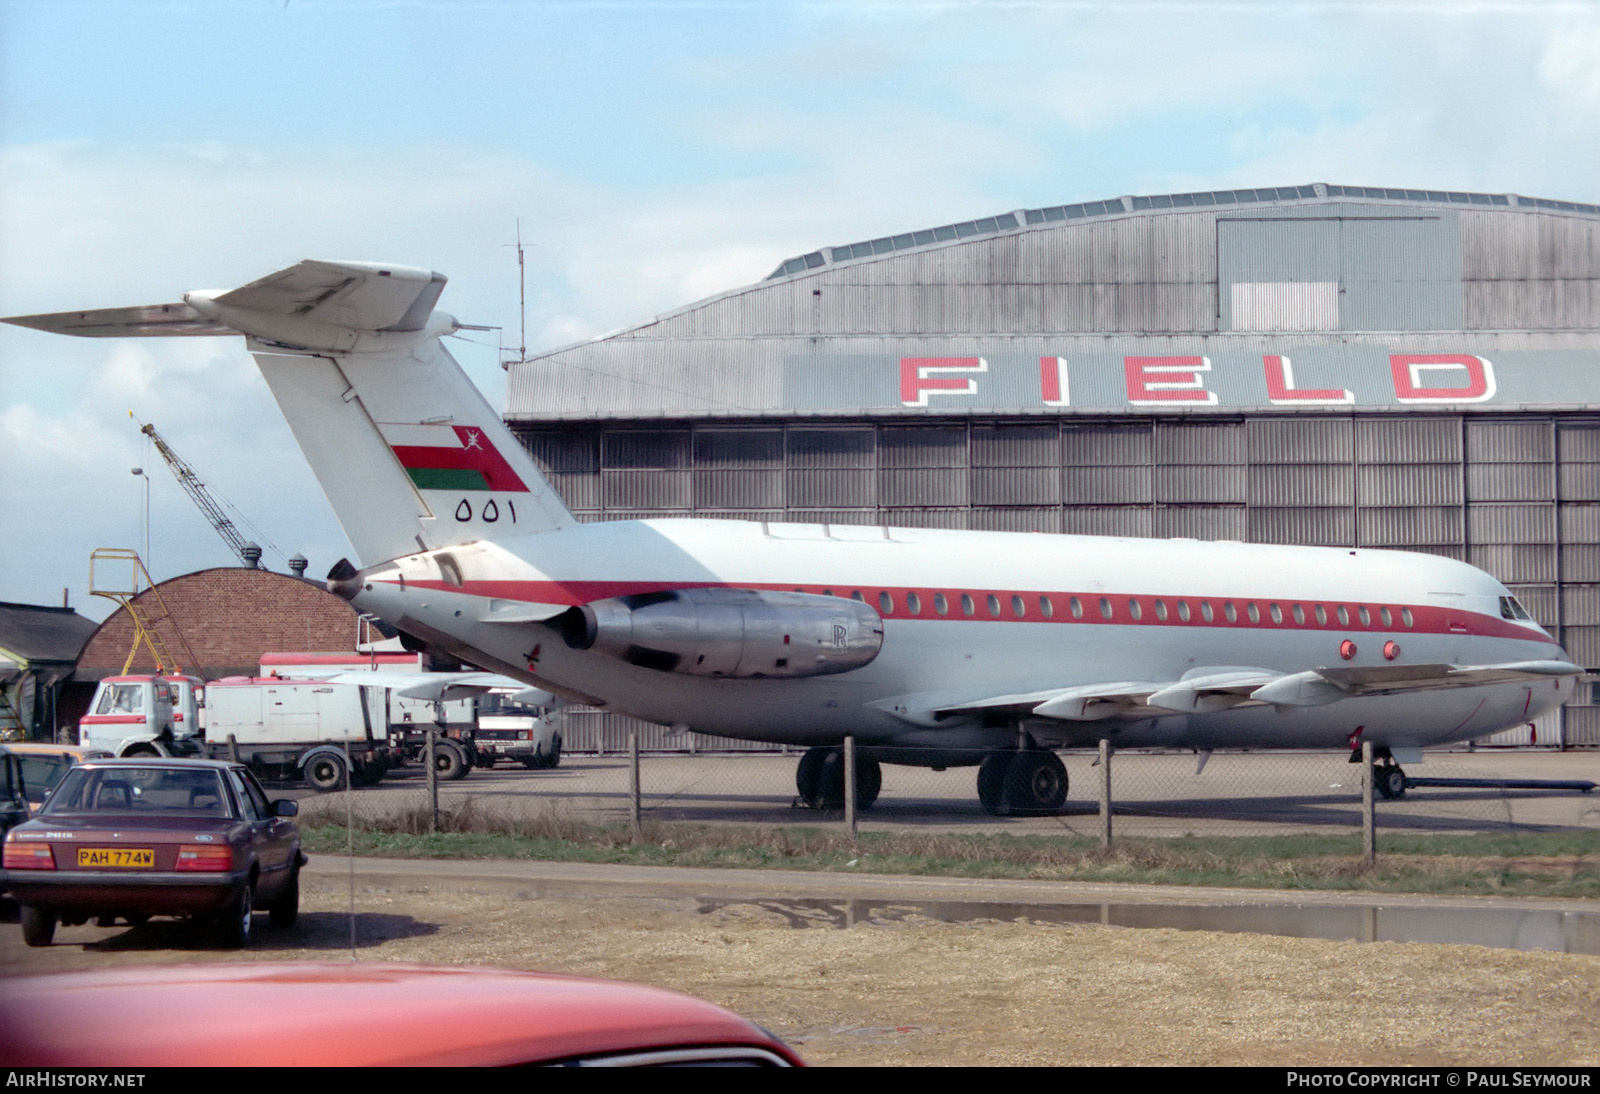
{"x":406,"y":449}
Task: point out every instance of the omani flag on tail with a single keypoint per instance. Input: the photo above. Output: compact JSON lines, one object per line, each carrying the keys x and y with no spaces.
{"x":451,"y":457}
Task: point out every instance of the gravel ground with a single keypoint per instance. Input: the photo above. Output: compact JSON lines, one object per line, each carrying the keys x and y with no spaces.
{"x":908,"y":990}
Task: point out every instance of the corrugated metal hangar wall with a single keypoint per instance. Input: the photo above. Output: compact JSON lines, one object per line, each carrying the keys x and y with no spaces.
{"x":1330,"y":365}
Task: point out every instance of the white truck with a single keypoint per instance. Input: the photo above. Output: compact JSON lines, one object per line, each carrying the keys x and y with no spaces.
{"x":482,"y":730}
{"x":284,"y":728}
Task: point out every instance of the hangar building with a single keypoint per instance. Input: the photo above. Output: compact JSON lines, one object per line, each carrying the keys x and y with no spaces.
{"x":1339,"y":365}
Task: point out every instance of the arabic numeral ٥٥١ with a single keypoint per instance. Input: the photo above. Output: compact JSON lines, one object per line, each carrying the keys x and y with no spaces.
{"x":490,"y":513}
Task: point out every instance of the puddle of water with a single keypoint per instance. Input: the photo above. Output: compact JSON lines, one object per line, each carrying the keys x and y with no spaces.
{"x":1503,"y":928}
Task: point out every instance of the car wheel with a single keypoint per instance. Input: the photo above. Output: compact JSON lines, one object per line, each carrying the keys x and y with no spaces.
{"x":449,"y":761}
{"x":233,"y":922}
{"x":286,"y":909}
{"x":38,"y":925}
{"x":553,"y":757}
{"x":325,"y":773}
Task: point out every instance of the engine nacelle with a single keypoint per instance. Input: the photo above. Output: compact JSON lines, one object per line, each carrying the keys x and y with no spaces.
{"x":729,"y":632}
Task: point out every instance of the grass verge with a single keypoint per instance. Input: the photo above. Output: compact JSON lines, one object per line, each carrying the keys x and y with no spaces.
{"x":1506,"y":864}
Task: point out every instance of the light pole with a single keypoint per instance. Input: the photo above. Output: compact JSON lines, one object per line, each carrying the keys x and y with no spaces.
{"x":139,"y":471}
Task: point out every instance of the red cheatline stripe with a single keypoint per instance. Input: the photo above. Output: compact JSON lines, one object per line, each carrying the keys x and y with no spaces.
{"x":475,"y":454}
{"x":1426,"y":619}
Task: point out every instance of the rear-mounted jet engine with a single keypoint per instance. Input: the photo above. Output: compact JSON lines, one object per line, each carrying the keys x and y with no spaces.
{"x":729,"y":632}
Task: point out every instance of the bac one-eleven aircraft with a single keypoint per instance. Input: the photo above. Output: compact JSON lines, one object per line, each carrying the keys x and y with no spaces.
{"x":934,"y":648}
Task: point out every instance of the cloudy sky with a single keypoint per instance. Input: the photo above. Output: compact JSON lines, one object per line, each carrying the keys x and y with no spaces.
{"x":654,"y":153}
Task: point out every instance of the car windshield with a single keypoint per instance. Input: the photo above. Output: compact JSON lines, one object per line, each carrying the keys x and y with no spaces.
{"x":152,"y":791}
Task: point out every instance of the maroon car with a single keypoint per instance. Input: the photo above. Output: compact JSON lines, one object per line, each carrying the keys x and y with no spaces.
{"x":129,"y":839}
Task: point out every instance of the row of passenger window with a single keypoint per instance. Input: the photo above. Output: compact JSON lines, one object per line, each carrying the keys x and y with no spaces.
{"x":1135,"y":609}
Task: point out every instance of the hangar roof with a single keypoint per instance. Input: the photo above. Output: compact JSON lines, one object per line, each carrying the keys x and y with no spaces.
{"x":1017,"y":219}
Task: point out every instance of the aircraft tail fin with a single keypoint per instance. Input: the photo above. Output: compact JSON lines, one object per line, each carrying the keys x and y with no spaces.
{"x":407,"y":450}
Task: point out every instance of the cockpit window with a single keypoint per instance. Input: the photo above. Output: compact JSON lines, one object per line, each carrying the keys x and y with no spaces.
{"x":1510,"y":608}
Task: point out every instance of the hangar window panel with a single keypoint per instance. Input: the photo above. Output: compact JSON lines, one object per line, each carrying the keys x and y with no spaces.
{"x":579,"y":491}
{"x":840,"y":447}
{"x":1579,"y":441}
{"x":1017,"y":519}
{"x":824,"y":487}
{"x":1292,"y":484}
{"x":1511,"y":524}
{"x":1183,"y":443}
{"x":1408,"y":440}
{"x":1107,"y":485}
{"x":646,"y":449}
{"x":1108,"y":521}
{"x":1582,"y":644}
{"x":644,"y":489}
{"x":575,"y":451}
{"x":1200,"y":522}
{"x":1579,"y":481}
{"x":1016,"y":445}
{"x":922,"y":486}
{"x":738,"y":448}
{"x":1099,"y":445}
{"x":1318,"y":527}
{"x":1510,"y":442}
{"x":1015,"y":486}
{"x":926,"y":518}
{"x":854,"y":517}
{"x":1300,"y":440}
{"x":1200,"y":484}
{"x":1580,"y":604}
{"x":1515,"y":562}
{"x":1411,"y":526}
{"x":1510,"y":482}
{"x":923,"y":446}
{"x":1580,"y":523}
{"x":737,"y":488}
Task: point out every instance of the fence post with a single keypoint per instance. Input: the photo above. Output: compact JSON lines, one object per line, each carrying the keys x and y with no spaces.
{"x":1105,"y":794}
{"x":635,"y":832}
{"x":433,"y":780}
{"x":1369,"y":839}
{"x":850,"y":785}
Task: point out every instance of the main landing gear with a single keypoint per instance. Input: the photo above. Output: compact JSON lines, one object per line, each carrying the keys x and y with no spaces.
{"x":1024,"y":782}
{"x":820,"y":779}
{"x":1389,"y":779}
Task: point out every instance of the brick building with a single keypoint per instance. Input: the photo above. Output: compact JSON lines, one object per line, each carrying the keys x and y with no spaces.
{"x":219,"y":622}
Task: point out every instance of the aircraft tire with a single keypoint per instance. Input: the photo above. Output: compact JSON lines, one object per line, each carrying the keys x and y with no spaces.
{"x":820,"y":779}
{"x":1390,"y":781}
{"x":991,"y":782}
{"x":1036,"y":782}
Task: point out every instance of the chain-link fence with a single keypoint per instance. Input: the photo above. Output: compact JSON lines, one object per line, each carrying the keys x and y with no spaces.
{"x":1294,"y":803}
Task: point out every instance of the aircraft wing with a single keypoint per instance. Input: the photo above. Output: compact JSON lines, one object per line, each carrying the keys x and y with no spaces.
{"x":1206,"y":690}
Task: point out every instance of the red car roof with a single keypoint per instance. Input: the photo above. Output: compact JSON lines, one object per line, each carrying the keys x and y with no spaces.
{"x":352,"y":1014}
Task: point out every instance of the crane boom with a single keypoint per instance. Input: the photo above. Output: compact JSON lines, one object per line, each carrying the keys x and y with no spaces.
{"x":195,"y":487}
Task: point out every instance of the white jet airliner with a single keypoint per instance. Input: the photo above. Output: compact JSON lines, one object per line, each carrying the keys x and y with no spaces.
{"x":935,"y":648}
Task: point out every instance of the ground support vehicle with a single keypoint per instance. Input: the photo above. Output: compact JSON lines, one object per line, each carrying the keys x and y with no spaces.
{"x":267,"y":1013}
{"x":129,"y":839}
{"x":284,"y":729}
{"x":462,"y":740}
